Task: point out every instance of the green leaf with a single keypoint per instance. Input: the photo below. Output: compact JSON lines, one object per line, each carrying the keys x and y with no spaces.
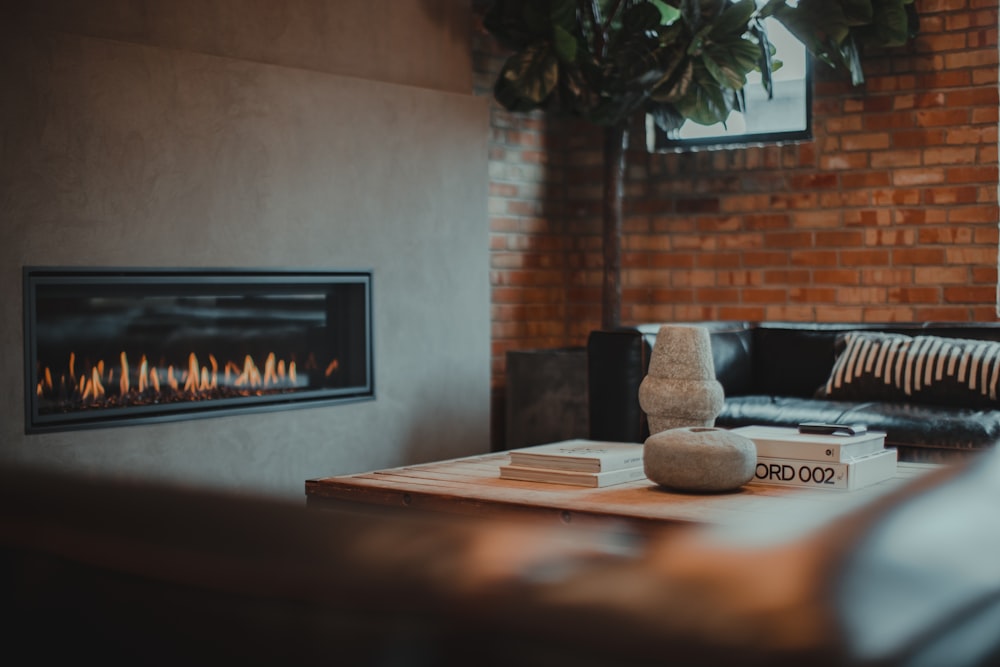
{"x":890,"y":25}
{"x":563,"y":14}
{"x":666,"y":117}
{"x":527,"y":79}
{"x":857,"y":12}
{"x":730,"y":49}
{"x":729,"y":64}
{"x":643,"y":56}
{"x":668,"y":13}
{"x":705,"y":102}
{"x":681,"y":83}
{"x":852,"y":60}
{"x":705,"y":106}
{"x":691,"y":13}
{"x":733,"y":21}
{"x":565,"y":44}
{"x":575,"y":93}
{"x":766,"y":62}
{"x":819,"y":24}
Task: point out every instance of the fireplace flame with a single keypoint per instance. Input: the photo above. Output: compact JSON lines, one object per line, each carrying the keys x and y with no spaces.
{"x":191,"y":384}
{"x":143,"y":374}
{"x":144,"y":383}
{"x":123,"y":383}
{"x":92,"y":388}
{"x":270,"y":370}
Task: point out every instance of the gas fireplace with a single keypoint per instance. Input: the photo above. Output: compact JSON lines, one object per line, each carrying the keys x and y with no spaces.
{"x":108,"y":347}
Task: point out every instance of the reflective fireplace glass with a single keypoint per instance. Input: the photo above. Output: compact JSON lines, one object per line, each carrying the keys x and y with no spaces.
{"x":106,"y":347}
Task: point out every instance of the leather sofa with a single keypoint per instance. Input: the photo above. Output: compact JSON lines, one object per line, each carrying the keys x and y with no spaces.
{"x":775,"y":373}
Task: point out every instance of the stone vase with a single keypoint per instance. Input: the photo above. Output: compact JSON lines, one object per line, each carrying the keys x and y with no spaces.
{"x":698,"y":458}
{"x":680,"y":388}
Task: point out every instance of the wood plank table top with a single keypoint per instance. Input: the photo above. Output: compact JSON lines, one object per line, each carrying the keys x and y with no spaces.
{"x":472,"y":486}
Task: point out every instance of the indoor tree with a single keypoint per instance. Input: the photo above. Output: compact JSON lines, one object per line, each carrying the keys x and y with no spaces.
{"x":610,"y":61}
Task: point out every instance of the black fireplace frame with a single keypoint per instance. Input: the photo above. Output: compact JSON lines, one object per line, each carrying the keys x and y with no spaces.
{"x":33,"y":276}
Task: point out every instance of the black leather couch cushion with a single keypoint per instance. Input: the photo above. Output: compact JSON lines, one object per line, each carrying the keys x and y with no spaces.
{"x":732,"y":356}
{"x":791,"y":362}
{"x":780,"y":411}
{"x":930,"y":433}
{"x":927,"y":433}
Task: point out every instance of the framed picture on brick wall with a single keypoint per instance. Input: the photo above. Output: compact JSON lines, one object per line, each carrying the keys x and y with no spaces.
{"x":784,"y":118}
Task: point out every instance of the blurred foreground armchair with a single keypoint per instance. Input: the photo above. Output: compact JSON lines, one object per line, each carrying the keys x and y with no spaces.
{"x":122,"y":571}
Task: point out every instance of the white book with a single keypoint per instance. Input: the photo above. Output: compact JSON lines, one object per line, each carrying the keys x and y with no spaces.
{"x":787,"y":443}
{"x":842,"y":475}
{"x":575,"y":478}
{"x":583,"y":455}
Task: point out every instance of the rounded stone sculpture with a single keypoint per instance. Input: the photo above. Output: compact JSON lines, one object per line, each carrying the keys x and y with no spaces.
{"x":699,"y":458}
{"x":680,"y":388}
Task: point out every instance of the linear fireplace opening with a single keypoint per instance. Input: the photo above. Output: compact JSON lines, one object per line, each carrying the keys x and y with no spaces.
{"x":114,"y":347}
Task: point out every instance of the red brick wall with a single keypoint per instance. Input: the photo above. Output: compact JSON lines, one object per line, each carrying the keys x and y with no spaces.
{"x":890,"y":213}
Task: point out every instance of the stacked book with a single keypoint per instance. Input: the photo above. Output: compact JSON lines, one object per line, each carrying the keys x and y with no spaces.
{"x":578,"y":462}
{"x":788,"y":457}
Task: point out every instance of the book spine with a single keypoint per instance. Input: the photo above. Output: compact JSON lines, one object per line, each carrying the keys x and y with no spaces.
{"x":798,"y":472}
{"x":576,"y":464}
{"x":826,"y":474}
{"x":621,"y":476}
{"x":576,"y":478}
{"x":833,"y":452}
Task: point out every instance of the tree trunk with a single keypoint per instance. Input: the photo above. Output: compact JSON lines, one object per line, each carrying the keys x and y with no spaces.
{"x":615,"y":143}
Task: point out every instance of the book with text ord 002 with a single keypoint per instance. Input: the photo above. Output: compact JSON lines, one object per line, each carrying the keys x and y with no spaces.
{"x":842,"y":475}
{"x":787,"y":443}
{"x":582,"y":455}
{"x":573,"y":477}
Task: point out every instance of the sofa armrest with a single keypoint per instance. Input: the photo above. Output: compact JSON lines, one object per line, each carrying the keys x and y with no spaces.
{"x":617,"y":361}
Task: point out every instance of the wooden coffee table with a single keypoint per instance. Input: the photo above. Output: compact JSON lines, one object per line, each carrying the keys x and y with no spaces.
{"x":472,"y":485}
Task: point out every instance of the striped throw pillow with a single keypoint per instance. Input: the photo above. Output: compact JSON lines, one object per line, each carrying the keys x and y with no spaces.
{"x":923,"y":369}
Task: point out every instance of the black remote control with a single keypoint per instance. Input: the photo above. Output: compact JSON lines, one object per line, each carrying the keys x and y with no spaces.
{"x":832,"y":429}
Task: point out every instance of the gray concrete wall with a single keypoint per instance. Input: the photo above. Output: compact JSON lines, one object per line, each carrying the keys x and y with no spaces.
{"x":162,"y":133}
